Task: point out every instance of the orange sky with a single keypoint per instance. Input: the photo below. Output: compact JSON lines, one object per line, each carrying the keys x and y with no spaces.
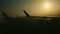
{"x":33,"y":7}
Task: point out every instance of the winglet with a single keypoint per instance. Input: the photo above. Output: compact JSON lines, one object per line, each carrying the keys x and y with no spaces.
{"x":26,"y":13}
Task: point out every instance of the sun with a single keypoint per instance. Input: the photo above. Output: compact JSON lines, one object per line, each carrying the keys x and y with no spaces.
{"x":46,"y":5}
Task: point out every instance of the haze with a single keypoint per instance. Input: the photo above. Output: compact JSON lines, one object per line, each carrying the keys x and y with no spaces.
{"x":33,"y":7}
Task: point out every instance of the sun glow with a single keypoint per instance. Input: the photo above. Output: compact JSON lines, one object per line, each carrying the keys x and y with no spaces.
{"x":46,"y":5}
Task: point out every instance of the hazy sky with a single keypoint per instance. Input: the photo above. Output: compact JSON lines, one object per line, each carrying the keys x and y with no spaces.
{"x":33,"y":7}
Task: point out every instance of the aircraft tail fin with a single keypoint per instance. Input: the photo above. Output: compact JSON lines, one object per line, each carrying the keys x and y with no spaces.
{"x":26,"y":13}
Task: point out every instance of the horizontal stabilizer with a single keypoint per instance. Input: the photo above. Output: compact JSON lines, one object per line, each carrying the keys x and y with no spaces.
{"x":5,"y":15}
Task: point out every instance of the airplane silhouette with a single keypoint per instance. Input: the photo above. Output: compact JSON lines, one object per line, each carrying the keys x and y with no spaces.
{"x":27,"y":15}
{"x":40,"y":21}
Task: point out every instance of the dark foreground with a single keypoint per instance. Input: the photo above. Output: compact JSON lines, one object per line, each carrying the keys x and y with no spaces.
{"x":30,"y":26}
